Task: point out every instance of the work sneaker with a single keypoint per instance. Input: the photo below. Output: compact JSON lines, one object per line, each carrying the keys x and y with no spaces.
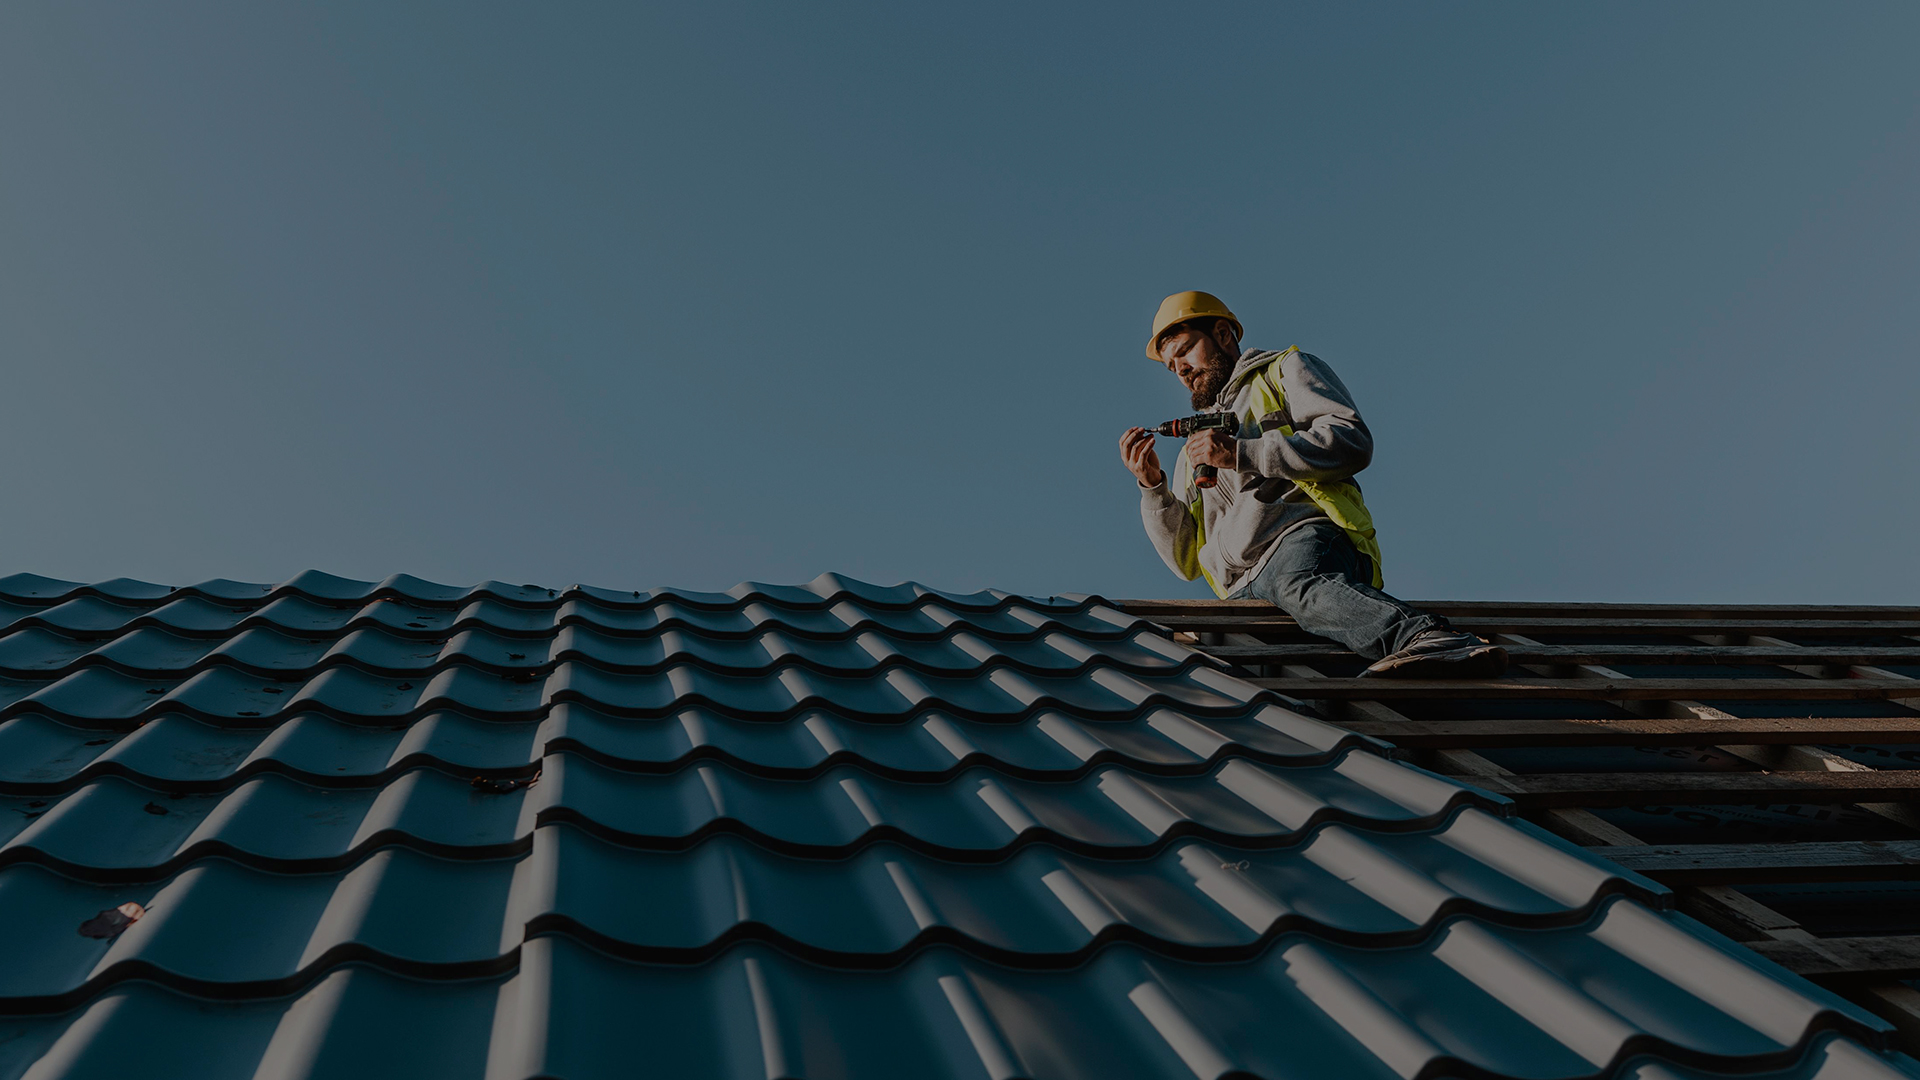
{"x":1441,"y":654}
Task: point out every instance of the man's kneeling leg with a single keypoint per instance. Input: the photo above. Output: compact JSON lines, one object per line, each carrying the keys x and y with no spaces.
{"x":1317,"y":576}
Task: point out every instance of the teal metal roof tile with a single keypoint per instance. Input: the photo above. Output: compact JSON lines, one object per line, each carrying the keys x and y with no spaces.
{"x":836,"y":829}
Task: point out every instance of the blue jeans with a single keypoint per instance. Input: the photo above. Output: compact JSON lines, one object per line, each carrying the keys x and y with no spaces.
{"x":1317,"y":576}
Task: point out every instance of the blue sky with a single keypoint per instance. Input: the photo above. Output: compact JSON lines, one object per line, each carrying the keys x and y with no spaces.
{"x":643,"y":294}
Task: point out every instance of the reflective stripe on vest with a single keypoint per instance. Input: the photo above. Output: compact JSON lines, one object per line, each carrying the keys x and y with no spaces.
{"x":1338,"y":499}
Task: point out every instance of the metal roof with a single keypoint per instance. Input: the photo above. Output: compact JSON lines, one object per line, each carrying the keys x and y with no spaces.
{"x":334,"y":828}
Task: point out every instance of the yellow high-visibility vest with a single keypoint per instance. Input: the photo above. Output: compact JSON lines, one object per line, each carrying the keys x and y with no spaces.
{"x":1339,"y":499}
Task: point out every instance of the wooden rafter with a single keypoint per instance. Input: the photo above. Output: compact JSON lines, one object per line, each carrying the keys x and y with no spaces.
{"x":1836,"y":658}
{"x":1643,"y":731}
{"x":1590,"y":689}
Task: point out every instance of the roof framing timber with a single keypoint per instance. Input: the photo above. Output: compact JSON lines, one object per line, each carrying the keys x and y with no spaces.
{"x":1642,"y":731}
{"x":1847,"y":660}
{"x":1700,"y":864}
{"x":1520,"y":624}
{"x":1700,"y":789}
{"x":1846,"y":958}
{"x":1505,"y":608}
{"x":1598,"y":689}
{"x":1614,"y":654}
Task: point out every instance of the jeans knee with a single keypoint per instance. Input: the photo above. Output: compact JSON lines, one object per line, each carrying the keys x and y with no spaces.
{"x":1296,"y":593}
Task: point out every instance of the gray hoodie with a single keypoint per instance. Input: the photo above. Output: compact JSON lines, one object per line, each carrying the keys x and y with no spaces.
{"x":1256,"y":504}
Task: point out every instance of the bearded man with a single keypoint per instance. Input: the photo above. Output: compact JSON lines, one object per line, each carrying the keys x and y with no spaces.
{"x":1285,"y":521}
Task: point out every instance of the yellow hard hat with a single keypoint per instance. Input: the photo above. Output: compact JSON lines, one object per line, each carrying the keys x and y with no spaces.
{"x":1182,"y":306}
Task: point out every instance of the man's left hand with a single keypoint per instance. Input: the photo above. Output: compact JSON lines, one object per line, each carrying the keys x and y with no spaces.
{"x":1215,"y":448}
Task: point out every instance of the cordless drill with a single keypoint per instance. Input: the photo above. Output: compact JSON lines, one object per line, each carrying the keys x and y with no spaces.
{"x":1203,"y":475}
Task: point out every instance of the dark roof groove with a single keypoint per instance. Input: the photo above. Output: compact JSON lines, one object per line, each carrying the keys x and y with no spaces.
{"x":340,"y":778}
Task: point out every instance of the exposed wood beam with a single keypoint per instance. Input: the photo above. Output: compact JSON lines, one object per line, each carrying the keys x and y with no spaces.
{"x":1776,"y":757}
{"x":1598,"y":689}
{"x":1782,"y":656}
{"x":1580,"y":826}
{"x":1731,"y":911}
{"x":1256,"y":622}
{"x":1898,"y":1003}
{"x":1695,"y":789}
{"x":1639,"y":731}
{"x":1895,"y":955}
{"x":1530,"y":608}
{"x":1697,"y":864}
{"x":1696,"y":871}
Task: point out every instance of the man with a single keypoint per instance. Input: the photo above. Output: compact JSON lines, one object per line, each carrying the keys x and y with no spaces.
{"x":1284,"y":522}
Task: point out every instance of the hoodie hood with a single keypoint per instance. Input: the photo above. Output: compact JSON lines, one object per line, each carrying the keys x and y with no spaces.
{"x":1251,"y":360}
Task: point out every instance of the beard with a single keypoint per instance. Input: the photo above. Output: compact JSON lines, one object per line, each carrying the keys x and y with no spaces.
{"x":1212,"y":378}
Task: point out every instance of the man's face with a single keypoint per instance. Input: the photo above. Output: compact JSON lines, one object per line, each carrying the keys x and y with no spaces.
{"x":1200,"y":362}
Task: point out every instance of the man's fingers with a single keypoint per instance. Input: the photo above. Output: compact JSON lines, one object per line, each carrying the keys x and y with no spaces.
{"x":1217,"y":449}
{"x":1136,"y":450}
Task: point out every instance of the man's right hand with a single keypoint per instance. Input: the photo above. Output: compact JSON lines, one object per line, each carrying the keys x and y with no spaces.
{"x":1136,"y":449}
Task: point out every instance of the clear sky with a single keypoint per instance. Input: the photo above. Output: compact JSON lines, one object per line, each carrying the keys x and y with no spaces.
{"x":648,"y":294}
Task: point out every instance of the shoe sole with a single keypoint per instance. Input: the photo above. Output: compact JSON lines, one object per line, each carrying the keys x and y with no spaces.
{"x":1468,"y":662}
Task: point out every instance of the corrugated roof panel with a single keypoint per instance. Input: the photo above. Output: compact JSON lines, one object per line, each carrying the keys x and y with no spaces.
{"x":340,"y":828}
{"x":1474,"y":1000}
{"x":36,"y":749}
{"x":1039,"y":906}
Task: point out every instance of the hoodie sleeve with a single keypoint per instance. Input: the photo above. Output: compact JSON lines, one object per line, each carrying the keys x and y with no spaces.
{"x":1170,"y":524}
{"x":1329,"y":440}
